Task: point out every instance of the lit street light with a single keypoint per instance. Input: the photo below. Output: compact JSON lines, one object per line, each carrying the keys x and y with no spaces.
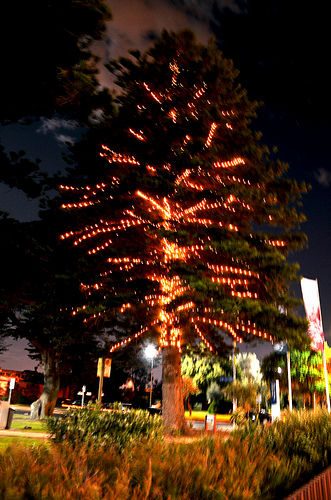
{"x":150,"y":352}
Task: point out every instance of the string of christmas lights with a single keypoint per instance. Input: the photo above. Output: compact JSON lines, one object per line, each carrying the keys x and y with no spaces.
{"x":153,"y":214}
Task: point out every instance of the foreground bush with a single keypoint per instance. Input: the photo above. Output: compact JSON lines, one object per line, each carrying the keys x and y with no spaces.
{"x":303,"y":438}
{"x":93,"y":427}
{"x":255,"y":463}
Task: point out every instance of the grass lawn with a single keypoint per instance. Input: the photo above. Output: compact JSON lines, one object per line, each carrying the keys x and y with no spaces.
{"x":23,"y":424}
{"x":22,"y":421}
{"x":21,"y":441}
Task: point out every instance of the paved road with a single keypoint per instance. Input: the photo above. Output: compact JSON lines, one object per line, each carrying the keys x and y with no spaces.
{"x":25,"y":410}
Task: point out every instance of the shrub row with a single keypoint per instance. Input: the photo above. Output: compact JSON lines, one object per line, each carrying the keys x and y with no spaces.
{"x":92,"y":427}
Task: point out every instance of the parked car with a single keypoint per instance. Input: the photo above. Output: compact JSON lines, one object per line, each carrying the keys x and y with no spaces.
{"x":261,"y":416}
{"x":77,"y":403}
{"x":126,"y":407}
{"x":61,"y":402}
{"x":155,"y":410}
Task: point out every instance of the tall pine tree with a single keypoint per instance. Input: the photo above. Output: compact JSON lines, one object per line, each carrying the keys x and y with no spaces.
{"x":189,"y":222}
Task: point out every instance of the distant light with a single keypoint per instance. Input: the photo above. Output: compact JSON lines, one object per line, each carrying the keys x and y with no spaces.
{"x":150,"y":351}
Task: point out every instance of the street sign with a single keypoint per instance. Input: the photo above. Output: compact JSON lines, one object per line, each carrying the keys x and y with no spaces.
{"x":106,"y":364}
{"x":281,"y":347}
{"x":107,"y":367}
{"x":226,"y":379}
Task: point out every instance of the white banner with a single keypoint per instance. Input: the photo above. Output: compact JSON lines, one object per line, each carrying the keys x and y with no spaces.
{"x":313,"y":311}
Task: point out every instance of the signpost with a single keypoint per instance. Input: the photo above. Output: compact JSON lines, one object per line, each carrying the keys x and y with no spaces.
{"x":275,"y":403}
{"x":11,"y":387}
{"x":283,"y":348}
{"x":83,"y":394}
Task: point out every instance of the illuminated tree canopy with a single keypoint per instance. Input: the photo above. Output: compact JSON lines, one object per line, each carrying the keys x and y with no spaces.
{"x":176,"y":221}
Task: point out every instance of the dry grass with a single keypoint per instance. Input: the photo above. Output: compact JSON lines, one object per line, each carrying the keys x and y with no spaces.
{"x":252,"y":464}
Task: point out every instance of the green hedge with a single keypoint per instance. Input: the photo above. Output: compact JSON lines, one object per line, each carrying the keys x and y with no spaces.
{"x":94,"y":427}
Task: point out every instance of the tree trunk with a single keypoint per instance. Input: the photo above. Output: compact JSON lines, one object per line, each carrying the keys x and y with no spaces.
{"x":172,"y":391}
{"x":47,"y":400}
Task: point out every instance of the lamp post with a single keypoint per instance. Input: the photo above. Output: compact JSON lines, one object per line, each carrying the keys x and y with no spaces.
{"x":234,"y":400}
{"x":150,"y":352}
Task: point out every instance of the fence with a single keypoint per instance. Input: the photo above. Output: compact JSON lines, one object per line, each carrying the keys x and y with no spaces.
{"x":318,"y":488}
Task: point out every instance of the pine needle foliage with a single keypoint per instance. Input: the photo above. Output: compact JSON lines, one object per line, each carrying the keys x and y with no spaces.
{"x":189,"y":220}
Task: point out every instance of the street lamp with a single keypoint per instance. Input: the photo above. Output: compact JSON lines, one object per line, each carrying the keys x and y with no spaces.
{"x":150,"y":352}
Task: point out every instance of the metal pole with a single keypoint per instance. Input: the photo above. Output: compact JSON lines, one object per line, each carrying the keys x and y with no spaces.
{"x":324,"y":363}
{"x":101,"y":380}
{"x":150,"y":394}
{"x":234,"y":401}
{"x":326,"y":381}
{"x":289,"y":379}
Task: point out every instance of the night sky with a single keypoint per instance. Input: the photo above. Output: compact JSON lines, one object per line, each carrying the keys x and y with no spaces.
{"x":304,"y":144}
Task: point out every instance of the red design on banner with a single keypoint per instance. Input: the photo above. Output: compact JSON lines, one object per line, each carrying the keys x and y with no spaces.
{"x":313,"y":311}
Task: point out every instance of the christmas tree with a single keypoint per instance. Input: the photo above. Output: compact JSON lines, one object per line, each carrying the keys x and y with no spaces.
{"x":189,"y":223}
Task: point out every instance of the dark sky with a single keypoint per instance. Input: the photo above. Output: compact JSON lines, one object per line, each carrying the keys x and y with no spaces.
{"x":304,"y":145}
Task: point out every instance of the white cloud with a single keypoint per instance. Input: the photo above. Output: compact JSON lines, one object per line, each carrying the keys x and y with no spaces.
{"x":56,"y":127}
{"x":65,"y":139}
{"x":323,"y":177}
{"x":54,"y":124}
{"x":136,"y":22}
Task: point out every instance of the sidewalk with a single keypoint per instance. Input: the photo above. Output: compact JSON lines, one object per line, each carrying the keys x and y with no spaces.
{"x":12,"y":432}
{"x":23,"y":433}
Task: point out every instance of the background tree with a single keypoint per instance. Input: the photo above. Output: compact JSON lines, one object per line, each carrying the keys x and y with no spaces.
{"x":206,"y":369}
{"x":244,"y":393}
{"x":38,"y":299}
{"x":307,"y":373}
{"x":49,"y":48}
{"x":249,"y":366}
{"x":189,"y":388}
{"x":173,"y":221}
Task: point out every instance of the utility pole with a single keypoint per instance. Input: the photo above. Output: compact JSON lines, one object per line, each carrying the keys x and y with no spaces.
{"x":234,"y":400}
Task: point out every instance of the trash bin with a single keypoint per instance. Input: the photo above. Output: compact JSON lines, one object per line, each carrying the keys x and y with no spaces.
{"x":4,"y":410}
{"x":11,"y":412}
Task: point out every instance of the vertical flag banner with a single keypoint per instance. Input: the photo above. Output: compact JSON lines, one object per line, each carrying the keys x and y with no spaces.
{"x":313,"y":311}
